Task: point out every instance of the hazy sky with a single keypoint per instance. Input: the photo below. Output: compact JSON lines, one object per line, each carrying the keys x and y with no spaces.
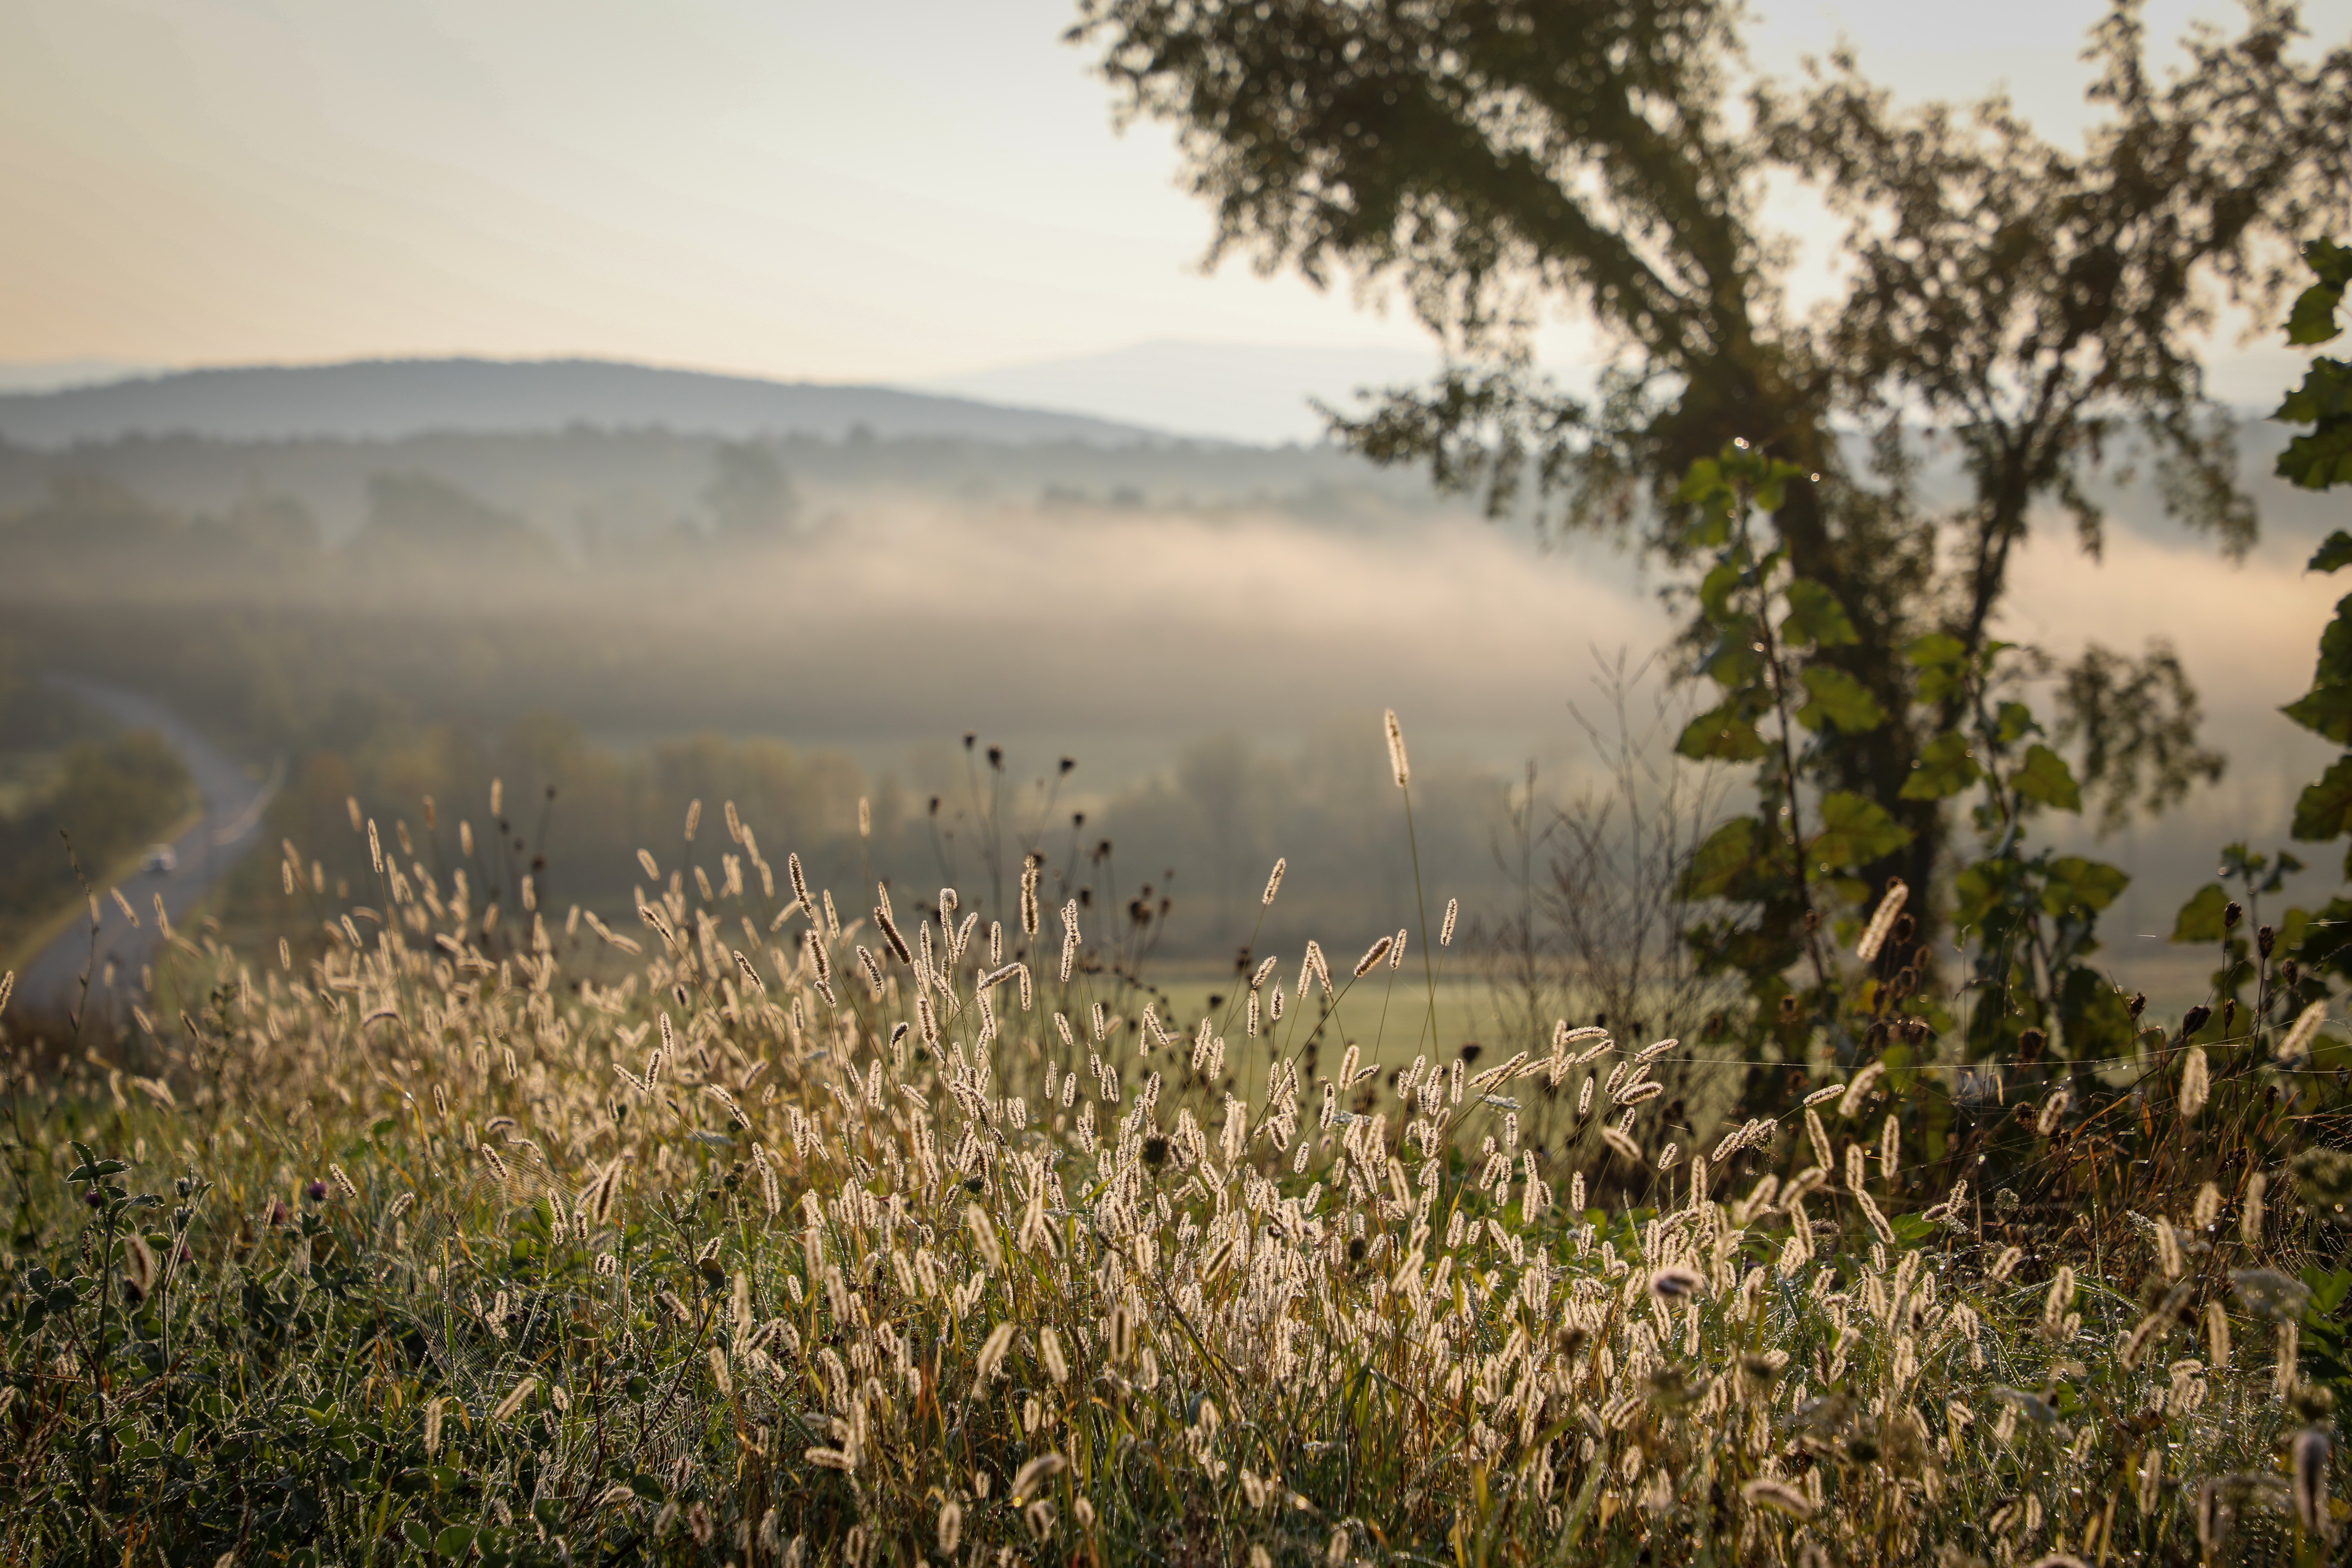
{"x":902,"y":191}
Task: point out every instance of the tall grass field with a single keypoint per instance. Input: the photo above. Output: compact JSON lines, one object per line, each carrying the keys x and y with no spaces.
{"x":785,"y":1226}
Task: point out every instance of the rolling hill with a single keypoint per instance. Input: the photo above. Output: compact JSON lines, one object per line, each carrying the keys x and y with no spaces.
{"x":386,"y":400}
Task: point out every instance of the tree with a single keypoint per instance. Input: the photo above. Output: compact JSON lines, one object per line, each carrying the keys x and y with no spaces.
{"x":2318,"y":459}
{"x":2028,"y":306}
{"x":749,"y":495}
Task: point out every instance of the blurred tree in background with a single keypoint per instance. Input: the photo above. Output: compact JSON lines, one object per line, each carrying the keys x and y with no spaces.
{"x":2034,"y":309}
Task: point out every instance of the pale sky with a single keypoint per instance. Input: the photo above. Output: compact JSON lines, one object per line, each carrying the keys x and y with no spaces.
{"x":904,"y":191}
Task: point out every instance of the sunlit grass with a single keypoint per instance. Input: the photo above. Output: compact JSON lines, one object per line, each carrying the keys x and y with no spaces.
{"x":520,"y":1243}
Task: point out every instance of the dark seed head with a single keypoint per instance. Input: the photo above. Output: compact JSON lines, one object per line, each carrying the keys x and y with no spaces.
{"x":1155,"y":1151}
{"x":1355,"y":1249}
{"x":2231,"y":914}
{"x":316,"y":1191}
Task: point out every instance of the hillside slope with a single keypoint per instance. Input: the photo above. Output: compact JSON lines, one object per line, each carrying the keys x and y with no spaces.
{"x":390,"y":399}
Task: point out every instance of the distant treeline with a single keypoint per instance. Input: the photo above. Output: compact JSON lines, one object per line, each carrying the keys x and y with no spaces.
{"x":593,"y":492}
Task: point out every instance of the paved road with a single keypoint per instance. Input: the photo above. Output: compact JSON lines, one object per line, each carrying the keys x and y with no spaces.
{"x":230,"y":828}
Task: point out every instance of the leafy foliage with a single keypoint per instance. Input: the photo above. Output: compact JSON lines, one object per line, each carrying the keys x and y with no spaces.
{"x":2031,"y":303}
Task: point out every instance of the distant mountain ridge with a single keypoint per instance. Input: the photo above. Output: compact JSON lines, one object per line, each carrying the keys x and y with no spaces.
{"x":393,"y":399}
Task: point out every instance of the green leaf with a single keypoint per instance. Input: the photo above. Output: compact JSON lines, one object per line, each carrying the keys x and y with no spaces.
{"x":453,"y":1541}
{"x":2312,"y":320}
{"x":2014,"y":722}
{"x":2046,"y":777}
{"x":1721,"y":734}
{"x":1715,"y":591}
{"x":2336,"y":552}
{"x":2328,"y":1286}
{"x":2324,"y":456}
{"x":1854,"y":832}
{"x":2076,"y":883}
{"x":2324,"y":810}
{"x":1935,"y":652}
{"x":419,"y":1533}
{"x":1718,"y":864}
{"x":1840,"y":700}
{"x":1944,"y":767}
{"x":1815,"y":616}
{"x":2329,"y":262}
{"x":1701,"y":481}
{"x":2324,"y":711}
{"x":1942,"y":662}
{"x":2199,"y":918}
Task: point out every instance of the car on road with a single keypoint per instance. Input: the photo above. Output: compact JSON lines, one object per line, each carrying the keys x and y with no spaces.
{"x":161,"y":860}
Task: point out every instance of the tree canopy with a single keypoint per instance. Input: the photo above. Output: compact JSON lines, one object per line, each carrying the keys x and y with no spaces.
{"x":2032,"y":309}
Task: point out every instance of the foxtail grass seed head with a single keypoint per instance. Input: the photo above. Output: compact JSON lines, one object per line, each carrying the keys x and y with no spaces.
{"x":719,"y":1375}
{"x":2297,"y":1045}
{"x":2249,"y":1218}
{"x":1850,"y":1103}
{"x":2196,"y":1083}
{"x":1766,"y":1492}
{"x":433,"y":1408}
{"x":1674,"y":1283}
{"x":950,"y":1529}
{"x":1882,"y":923}
{"x":498,"y":796}
{"x":1274,"y":880}
{"x":513,"y":1401}
{"x":1373,"y":957}
{"x":864,"y":819}
{"x":693,"y":818}
{"x":1823,"y":1155}
{"x":2061,"y":1297}
{"x":2053,"y":1110}
{"x":138,"y":1265}
{"x":991,"y":1354}
{"x":1397,"y":766}
{"x":1445,"y":930}
{"x":2217,"y":1333}
{"x":890,"y":930}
